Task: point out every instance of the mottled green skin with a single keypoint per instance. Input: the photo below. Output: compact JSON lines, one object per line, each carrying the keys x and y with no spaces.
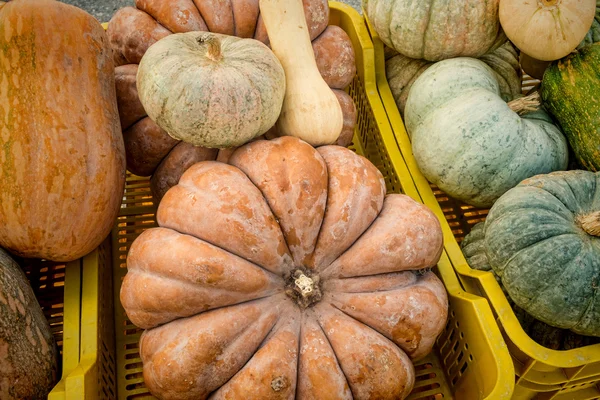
{"x":548,"y":264}
{"x":401,"y":72}
{"x":570,"y":91}
{"x":473,"y":249}
{"x":435,"y":29}
{"x":466,"y":139}
{"x":218,"y":101}
{"x":28,"y":354}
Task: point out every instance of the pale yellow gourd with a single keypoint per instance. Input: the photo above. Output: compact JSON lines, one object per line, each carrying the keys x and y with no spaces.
{"x":310,"y":110}
{"x":546,"y":30}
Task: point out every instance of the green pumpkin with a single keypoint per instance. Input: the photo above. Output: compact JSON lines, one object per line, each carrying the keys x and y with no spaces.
{"x":542,"y":238}
{"x":473,"y":248}
{"x":426,"y":29}
{"x":568,"y":91}
{"x":468,"y":141}
{"x":402,"y":71}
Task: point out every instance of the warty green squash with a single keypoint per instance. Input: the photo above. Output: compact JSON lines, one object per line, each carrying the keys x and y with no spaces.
{"x":470,"y":142}
{"x":570,"y":90}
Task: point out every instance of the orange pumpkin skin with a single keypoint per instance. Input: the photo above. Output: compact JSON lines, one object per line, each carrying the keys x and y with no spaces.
{"x":286,"y":273}
{"x":62,"y":167}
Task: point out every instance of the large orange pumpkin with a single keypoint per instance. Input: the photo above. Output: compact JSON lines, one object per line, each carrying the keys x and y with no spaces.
{"x":62,"y":158}
{"x":286,"y":273}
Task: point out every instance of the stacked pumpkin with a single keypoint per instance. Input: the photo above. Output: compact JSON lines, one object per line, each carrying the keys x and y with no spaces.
{"x":159,"y":151}
{"x":282,"y":268}
{"x":542,"y":233}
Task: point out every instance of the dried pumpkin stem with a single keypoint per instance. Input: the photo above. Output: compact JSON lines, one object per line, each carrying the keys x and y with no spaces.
{"x":213,"y":46}
{"x":303,"y":287}
{"x":590,"y":223}
{"x":526,"y":104}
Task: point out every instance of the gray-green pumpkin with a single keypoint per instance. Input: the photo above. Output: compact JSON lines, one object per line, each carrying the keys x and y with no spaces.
{"x":402,"y":72}
{"x":28,"y":355}
{"x":468,"y":141}
{"x":435,"y":30}
{"x":542,"y":238}
{"x":211,"y":90}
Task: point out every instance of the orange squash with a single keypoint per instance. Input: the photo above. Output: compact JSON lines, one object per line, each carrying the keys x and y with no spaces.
{"x":286,"y":273}
{"x":62,"y":163}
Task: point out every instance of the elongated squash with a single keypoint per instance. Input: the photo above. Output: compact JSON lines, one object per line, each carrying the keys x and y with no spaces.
{"x":62,"y":158}
{"x":310,"y":109}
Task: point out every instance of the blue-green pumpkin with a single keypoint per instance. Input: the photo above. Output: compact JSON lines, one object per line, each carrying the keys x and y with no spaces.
{"x":469,"y":142}
{"x":542,"y":239}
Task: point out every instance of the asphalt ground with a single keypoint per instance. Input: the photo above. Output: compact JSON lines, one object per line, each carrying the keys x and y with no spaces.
{"x":103,"y":10}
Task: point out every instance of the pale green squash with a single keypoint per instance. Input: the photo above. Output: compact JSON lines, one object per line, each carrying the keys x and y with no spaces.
{"x":435,"y":30}
{"x":468,"y":141}
{"x":402,"y":71}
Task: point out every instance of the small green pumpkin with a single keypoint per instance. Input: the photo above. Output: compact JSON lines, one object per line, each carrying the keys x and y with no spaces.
{"x":542,"y":238}
{"x":211,"y":90}
{"x":569,"y":90}
{"x":470,"y":142}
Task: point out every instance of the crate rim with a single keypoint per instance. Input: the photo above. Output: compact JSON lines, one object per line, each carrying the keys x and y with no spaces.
{"x":578,"y":357}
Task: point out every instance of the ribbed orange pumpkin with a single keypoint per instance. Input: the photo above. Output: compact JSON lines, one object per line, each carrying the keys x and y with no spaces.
{"x":286,"y":273}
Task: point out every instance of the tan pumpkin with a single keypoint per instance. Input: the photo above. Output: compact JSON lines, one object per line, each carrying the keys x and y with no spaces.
{"x":547,"y":30}
{"x":435,"y":30}
{"x":287,"y":273}
{"x":211,"y":90}
{"x":62,"y":168}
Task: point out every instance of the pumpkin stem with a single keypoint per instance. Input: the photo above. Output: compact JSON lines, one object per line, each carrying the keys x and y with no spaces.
{"x":549,"y":3}
{"x":590,"y":223}
{"x":213,"y":46}
{"x":526,"y":104}
{"x":303,"y":288}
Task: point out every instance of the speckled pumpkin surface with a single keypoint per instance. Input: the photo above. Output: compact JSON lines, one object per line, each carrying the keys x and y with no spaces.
{"x":286,"y":273}
{"x":542,"y":238}
{"x":468,"y":141}
{"x":401,"y":72}
{"x":211,"y":90}
{"x":435,"y":30}
{"x":28,"y":354}
{"x":569,"y":91}
{"x":62,"y":159}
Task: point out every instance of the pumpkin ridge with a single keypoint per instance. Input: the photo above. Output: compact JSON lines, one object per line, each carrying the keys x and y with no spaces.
{"x":592,"y":302}
{"x":264,"y":341}
{"x":548,"y":284}
{"x":191,"y":188}
{"x":258,"y":94}
{"x":509,"y":261}
{"x":322,"y":328}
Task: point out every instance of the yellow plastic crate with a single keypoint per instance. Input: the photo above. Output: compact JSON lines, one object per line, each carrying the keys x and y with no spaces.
{"x":470,"y":360}
{"x":541,"y":373}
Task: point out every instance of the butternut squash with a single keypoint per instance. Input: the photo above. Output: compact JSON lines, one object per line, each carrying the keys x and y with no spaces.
{"x":310,"y":109}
